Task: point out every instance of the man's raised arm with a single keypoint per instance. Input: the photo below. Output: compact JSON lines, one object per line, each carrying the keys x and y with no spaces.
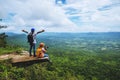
{"x":24,"y":31}
{"x":40,"y":31}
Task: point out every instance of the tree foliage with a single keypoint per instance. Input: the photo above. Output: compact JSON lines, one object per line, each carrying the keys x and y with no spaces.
{"x":3,"y":40}
{"x":72,"y":59}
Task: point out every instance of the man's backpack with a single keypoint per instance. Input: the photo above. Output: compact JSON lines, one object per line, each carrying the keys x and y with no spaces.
{"x":30,"y":38}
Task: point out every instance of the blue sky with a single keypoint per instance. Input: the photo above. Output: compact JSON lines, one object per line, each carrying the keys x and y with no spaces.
{"x":66,"y":16}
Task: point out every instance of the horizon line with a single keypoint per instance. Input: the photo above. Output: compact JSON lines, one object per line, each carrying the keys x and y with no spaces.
{"x":66,"y":32}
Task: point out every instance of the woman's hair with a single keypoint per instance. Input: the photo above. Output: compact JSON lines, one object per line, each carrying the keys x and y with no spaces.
{"x":41,"y":45}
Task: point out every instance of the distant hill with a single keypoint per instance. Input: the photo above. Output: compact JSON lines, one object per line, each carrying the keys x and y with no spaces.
{"x":11,"y":34}
{"x":72,"y":35}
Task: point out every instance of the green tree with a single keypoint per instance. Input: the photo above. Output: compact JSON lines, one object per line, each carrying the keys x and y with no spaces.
{"x":3,"y":37}
{"x":3,"y":40}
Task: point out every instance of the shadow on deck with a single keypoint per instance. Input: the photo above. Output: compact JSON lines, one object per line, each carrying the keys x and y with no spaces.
{"x":32,"y":61}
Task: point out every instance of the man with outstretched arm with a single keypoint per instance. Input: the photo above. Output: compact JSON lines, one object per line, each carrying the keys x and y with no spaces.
{"x":32,"y":42}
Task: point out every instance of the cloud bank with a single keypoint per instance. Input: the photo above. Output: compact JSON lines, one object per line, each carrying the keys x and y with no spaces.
{"x":74,"y":16}
{"x":94,"y":15}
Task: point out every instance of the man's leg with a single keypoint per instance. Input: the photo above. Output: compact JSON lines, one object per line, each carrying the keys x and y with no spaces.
{"x":34,"y":50}
{"x":30,"y":50}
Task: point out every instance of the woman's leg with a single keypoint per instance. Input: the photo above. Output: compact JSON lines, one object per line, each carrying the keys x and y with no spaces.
{"x":46,"y":55}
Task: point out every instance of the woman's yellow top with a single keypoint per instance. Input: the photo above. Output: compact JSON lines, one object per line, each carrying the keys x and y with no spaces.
{"x":39,"y":52}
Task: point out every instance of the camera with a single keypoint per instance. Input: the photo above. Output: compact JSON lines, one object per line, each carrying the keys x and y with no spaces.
{"x":46,"y":47}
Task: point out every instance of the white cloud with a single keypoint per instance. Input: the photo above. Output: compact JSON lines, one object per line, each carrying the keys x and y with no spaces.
{"x":91,"y":18}
{"x":35,"y":13}
{"x":91,"y":15}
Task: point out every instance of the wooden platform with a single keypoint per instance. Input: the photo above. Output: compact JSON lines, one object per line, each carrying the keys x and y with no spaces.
{"x":29,"y":61}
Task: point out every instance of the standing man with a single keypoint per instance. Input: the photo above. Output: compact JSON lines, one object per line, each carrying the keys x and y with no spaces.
{"x":32,"y":40}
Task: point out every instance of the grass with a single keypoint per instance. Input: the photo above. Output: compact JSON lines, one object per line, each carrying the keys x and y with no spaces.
{"x":8,"y":50}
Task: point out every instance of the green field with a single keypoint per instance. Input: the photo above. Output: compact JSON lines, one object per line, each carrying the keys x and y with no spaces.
{"x":75,"y":56}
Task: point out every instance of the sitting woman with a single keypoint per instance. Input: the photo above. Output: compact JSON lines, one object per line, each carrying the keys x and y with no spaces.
{"x":41,"y":51}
